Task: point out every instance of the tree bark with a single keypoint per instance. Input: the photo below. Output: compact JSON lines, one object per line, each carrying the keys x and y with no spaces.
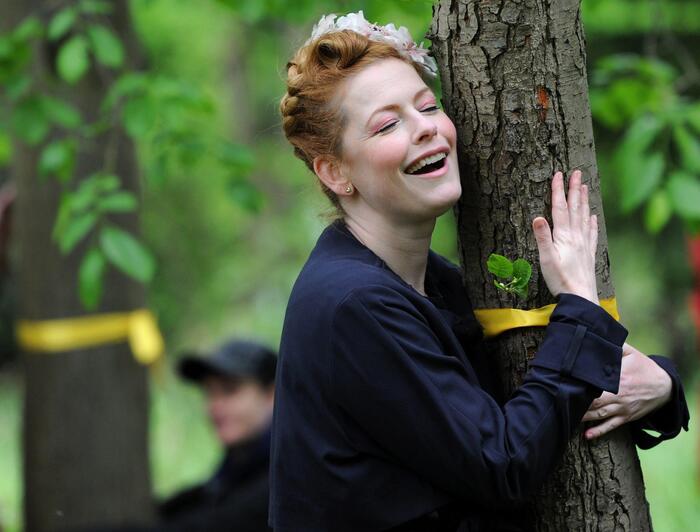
{"x":85,"y":411}
{"x":514,"y":83}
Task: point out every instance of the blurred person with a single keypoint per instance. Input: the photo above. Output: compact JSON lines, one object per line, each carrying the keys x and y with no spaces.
{"x":238,"y":384}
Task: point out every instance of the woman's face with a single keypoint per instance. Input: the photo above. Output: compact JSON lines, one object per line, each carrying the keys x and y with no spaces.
{"x":398,"y":146}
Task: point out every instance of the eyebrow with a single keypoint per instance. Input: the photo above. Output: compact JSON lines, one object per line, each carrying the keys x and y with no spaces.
{"x":393,"y":106}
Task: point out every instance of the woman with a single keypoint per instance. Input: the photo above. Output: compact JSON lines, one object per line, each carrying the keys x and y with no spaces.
{"x":384,"y":413}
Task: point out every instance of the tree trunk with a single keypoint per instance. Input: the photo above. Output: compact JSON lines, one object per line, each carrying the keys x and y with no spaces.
{"x":514,"y":83}
{"x":85,"y":411}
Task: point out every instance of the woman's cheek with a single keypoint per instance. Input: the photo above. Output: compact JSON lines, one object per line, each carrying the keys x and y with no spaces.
{"x":448,"y":129}
{"x":391,"y":154}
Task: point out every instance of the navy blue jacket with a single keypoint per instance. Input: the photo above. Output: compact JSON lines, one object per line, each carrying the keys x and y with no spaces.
{"x":384,"y":410}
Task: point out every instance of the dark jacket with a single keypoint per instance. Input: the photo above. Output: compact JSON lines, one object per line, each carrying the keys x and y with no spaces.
{"x":385,"y":408}
{"x":235,"y":499}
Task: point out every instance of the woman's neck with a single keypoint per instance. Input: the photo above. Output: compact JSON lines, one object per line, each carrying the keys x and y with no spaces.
{"x":404,"y":248}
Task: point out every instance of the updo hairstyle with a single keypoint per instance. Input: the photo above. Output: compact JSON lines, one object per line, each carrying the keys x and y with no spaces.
{"x":312,"y":120}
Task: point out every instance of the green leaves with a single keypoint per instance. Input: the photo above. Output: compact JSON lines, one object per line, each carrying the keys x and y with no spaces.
{"x":29,"y":121}
{"x":640,"y":178}
{"x":139,"y":116}
{"x":684,"y":191}
{"x":61,"y":23}
{"x":73,"y":61}
{"x":500,"y":266}
{"x":106,"y":46}
{"x":82,"y":217}
{"x":688,"y":147}
{"x":516,"y":274}
{"x":75,"y":229}
{"x":658,"y":160}
{"x":127,"y":253}
{"x":658,"y":211}
{"x":61,"y":113}
{"x":33,"y":116}
{"x":58,"y":159}
{"x":90,"y":276}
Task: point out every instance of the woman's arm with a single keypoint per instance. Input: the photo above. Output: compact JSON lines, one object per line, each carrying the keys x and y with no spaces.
{"x":405,"y":395}
{"x":651,"y":396}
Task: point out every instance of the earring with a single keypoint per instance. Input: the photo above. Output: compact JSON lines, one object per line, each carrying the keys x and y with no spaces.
{"x":348,"y":189}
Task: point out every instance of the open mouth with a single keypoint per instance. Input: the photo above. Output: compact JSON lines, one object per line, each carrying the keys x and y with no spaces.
{"x":427,"y":165}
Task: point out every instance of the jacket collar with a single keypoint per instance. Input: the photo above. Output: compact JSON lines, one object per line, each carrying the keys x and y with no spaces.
{"x":339,"y":242}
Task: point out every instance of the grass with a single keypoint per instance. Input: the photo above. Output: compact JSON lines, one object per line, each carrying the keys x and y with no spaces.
{"x":183,"y":451}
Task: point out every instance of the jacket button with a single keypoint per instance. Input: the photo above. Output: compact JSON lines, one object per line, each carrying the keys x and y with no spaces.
{"x":608,"y":370}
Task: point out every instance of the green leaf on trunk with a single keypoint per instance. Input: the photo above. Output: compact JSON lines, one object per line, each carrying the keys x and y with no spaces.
{"x":522,"y":272}
{"x":106,"y":46}
{"x":500,"y":266}
{"x":90,"y":278}
{"x":73,"y":61}
{"x":127,"y":253}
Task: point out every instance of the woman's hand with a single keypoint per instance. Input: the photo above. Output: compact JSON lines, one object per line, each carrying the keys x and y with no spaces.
{"x":644,"y":387}
{"x":567,"y":255}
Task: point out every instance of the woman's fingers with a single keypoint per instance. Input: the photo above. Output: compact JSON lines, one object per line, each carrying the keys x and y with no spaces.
{"x":560,"y":209}
{"x":574,"y":199}
{"x":593,"y":234}
{"x":604,"y":399}
{"x":585,"y":207}
{"x":604,"y":411}
{"x":608,"y":426}
{"x":543,"y":237}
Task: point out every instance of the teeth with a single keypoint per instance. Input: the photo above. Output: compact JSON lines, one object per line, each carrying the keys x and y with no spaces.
{"x":428,"y":160}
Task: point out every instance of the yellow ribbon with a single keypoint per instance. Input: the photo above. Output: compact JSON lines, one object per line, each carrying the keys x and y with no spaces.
{"x":138,"y":327}
{"x":494,"y":321}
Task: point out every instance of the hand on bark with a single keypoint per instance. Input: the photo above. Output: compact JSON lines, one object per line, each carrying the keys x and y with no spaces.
{"x":567,"y":254}
{"x":644,"y":387}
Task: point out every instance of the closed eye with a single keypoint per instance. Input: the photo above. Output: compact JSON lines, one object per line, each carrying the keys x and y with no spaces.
{"x":430,"y":109}
{"x":387,"y":127}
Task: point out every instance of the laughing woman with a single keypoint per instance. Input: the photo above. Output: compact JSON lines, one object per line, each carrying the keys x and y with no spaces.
{"x":384,"y":417}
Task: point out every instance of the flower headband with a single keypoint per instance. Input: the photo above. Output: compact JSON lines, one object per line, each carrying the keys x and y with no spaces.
{"x":399,"y":38}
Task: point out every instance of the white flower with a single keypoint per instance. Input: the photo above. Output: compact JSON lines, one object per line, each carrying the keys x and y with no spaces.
{"x":400,"y":38}
{"x":323,"y":26}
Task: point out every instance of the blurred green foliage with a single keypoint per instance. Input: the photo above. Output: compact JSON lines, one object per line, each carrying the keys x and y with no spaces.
{"x":658,"y":160}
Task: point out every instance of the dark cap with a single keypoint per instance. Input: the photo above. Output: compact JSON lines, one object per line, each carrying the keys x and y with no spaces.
{"x":235,"y":358}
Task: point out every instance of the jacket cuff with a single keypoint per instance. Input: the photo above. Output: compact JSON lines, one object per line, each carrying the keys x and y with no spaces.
{"x":583,"y":341}
{"x":576,"y":309}
{"x":670,"y":418}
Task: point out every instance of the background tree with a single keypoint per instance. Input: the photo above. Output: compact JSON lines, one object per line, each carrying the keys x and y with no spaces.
{"x":514,"y":83}
{"x":86,"y":410}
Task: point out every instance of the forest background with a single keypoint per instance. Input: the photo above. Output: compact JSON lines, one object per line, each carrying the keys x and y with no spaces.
{"x":231,"y":219}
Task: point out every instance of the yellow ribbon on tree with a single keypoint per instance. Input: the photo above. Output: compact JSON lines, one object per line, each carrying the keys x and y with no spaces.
{"x":494,"y":321}
{"x":138,"y":327}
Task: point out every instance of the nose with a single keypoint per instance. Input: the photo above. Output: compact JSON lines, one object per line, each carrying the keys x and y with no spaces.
{"x":425,"y":129}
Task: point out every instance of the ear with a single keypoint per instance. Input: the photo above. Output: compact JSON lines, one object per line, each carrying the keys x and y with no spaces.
{"x":327,"y":168}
